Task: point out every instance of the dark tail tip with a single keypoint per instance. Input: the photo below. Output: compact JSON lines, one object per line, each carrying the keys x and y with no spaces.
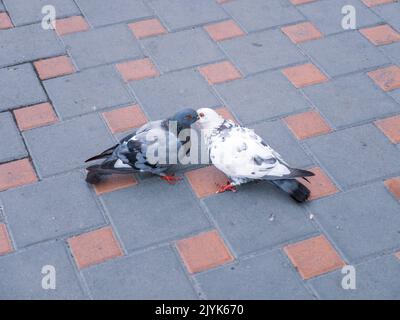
{"x":301,"y":193}
{"x":294,"y":188}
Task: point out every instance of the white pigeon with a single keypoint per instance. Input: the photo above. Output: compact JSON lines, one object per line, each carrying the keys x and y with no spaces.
{"x":243,"y":156}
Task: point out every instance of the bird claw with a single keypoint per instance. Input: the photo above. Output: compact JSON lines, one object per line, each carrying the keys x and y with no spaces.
{"x":171,"y":179}
{"x":228,"y":187}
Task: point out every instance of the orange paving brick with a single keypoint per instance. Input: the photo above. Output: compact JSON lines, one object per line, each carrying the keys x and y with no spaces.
{"x":5,"y":242}
{"x":71,"y":25}
{"x":114,"y":182}
{"x":319,"y":185}
{"x":147,"y":28}
{"x":313,"y":257}
{"x":387,"y":78}
{"x":35,"y":116}
{"x":206,"y":181}
{"x":381,"y":35}
{"x":297,"y":2}
{"x":5,"y":22}
{"x":220,"y":72}
{"x":137,"y":69}
{"x":54,"y":67}
{"x":307,"y":124}
{"x":16,"y":173}
{"x":393,"y":186}
{"x":126,"y":118}
{"x":302,"y":32}
{"x":226,"y":114}
{"x":203,"y":251}
{"x":397,"y":254}
{"x":390,"y":127}
{"x":373,"y":3}
{"x":304,"y":75}
{"x":224,"y":30}
{"x":94,"y":247}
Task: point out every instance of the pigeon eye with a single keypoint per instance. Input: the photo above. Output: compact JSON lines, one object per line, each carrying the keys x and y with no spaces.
{"x":189,"y":117}
{"x":201,"y":114}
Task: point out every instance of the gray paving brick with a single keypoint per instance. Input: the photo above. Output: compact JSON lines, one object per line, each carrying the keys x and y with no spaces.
{"x":66,"y":145}
{"x":360,"y":222}
{"x":393,"y":51}
{"x":182,"y":49}
{"x":262,"y":51}
{"x":28,"y":43}
{"x":260,"y":14}
{"x":396,"y":95}
{"x":19,"y":86}
{"x":268,"y":276}
{"x":2,"y":7}
{"x":11,"y":145}
{"x":344,"y":53}
{"x":87,"y":91}
{"x":350,"y":100}
{"x":331,"y":23}
{"x":356,"y":155}
{"x":375,"y":280}
{"x":142,"y":221}
{"x":27,"y":12}
{"x":104,"y":12}
{"x":50,"y":209}
{"x":278,"y":136}
{"x":102,"y":46}
{"x":155,"y":274}
{"x":258,"y":216}
{"x":162,"y":96}
{"x":261,"y":97}
{"x":21,"y":276}
{"x":390,"y":13}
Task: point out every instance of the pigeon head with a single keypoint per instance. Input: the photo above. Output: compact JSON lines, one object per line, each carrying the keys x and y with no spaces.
{"x":209,"y":119}
{"x":185,"y":118}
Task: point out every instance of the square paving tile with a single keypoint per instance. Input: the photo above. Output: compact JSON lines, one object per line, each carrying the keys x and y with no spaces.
{"x":87,"y":91}
{"x":344,"y":53}
{"x":331,"y":23}
{"x":11,"y":144}
{"x":178,"y":14}
{"x":262,"y":51}
{"x":175,"y":214}
{"x":155,"y":274}
{"x":356,"y":155}
{"x":182,"y":49}
{"x":351,"y":100}
{"x":33,"y":218}
{"x":104,"y":12}
{"x":390,"y":13}
{"x":19,"y":86}
{"x":361,"y":222}
{"x":66,"y":145}
{"x":22,"y":278}
{"x":258,"y":216}
{"x":163,"y":96}
{"x":110,"y":44}
{"x":260,"y":97}
{"x":268,"y":276}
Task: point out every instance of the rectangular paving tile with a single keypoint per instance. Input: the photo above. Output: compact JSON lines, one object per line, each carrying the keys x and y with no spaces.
{"x":390,"y":13}
{"x":262,"y":51}
{"x":178,"y":14}
{"x":267,"y":276}
{"x":344,"y":53}
{"x":396,"y":95}
{"x":261,"y":97}
{"x":375,"y":280}
{"x":19,"y":86}
{"x":104,"y":12}
{"x":316,"y":12}
{"x":356,"y":155}
{"x":11,"y":144}
{"x":50,"y":209}
{"x":362,"y":222}
{"x":28,"y":12}
{"x":351,"y":100}
{"x":110,"y":44}
{"x":66,"y":145}
{"x":155,"y":274}
{"x":182,"y":49}
{"x":162,"y":96}
{"x":258,"y":216}
{"x":260,"y":14}
{"x":393,"y":51}
{"x":140,"y":221}
{"x":22,"y":274}
{"x":87,"y":91}
{"x":28,"y":43}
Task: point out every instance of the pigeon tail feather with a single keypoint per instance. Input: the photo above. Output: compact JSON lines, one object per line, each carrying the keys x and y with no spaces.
{"x":294,"y":188}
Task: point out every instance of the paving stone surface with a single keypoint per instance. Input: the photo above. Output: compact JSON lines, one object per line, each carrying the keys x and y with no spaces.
{"x":11,"y":144}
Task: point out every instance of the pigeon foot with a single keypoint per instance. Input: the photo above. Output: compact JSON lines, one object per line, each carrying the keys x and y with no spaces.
{"x":228,"y":187}
{"x":171,"y":179}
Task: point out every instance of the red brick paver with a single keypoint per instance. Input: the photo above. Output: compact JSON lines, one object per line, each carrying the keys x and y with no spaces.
{"x":304,"y":75}
{"x":35,"y":116}
{"x":297,"y":2}
{"x":224,"y":30}
{"x":373,"y":3}
{"x":5,"y":242}
{"x":307,"y":124}
{"x":313,"y":257}
{"x":137,"y":69}
{"x":71,"y":25}
{"x":302,"y":32}
{"x":206,"y":181}
{"x":16,"y":173}
{"x":390,"y":127}
{"x":226,"y":114}
{"x":387,"y":78}
{"x":381,"y":35}
{"x":54,"y":67}
{"x":204,"y":251}
{"x":5,"y":22}
{"x":114,"y":183}
{"x":394,"y":186}
{"x":220,"y":72}
{"x":147,"y":28}
{"x":126,"y":118}
{"x":319,"y":185}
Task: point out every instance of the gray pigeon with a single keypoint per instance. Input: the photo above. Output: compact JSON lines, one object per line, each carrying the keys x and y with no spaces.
{"x":152,"y":148}
{"x":243,"y":156}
